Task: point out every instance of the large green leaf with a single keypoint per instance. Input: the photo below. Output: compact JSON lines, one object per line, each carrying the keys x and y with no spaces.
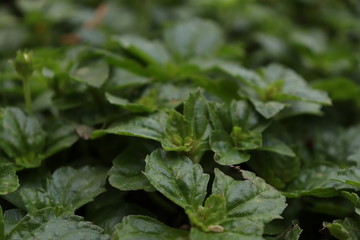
{"x":126,"y":173}
{"x":22,"y":138}
{"x":250,"y":203}
{"x":45,"y":224}
{"x":177,"y":178}
{"x":150,"y":127}
{"x":146,"y":228}
{"x":66,"y":190}
{"x":194,"y":38}
{"x":9,"y":182}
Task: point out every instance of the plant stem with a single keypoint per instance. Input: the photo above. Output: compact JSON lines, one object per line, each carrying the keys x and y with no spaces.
{"x":27,"y":93}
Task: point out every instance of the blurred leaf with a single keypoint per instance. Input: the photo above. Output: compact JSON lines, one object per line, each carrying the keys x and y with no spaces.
{"x":126,"y":173}
{"x":194,"y":38}
{"x":146,"y":228}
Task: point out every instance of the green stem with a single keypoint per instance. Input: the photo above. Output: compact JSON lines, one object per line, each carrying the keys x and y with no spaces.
{"x":27,"y":93}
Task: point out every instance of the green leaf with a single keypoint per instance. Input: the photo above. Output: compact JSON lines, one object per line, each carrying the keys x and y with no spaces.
{"x":122,"y":78}
{"x":60,"y":136}
{"x":93,"y":74}
{"x":251,"y":201}
{"x":194,"y":38}
{"x":45,"y":224}
{"x":237,"y":127}
{"x":177,"y":178}
{"x":133,"y":107}
{"x":225,"y":151}
{"x":126,"y":173}
{"x":150,"y":51}
{"x":11,"y":218}
{"x":347,"y":229}
{"x":350,"y":176}
{"x":178,"y":133}
{"x":267,"y":109}
{"x":196,"y":111}
{"x":276,"y":146}
{"x":153,"y":98}
{"x":22,"y":138}
{"x":291,"y":234}
{"x":339,"y":88}
{"x":150,"y":127}
{"x":189,"y":132}
{"x":66,"y":190}
{"x":9,"y":182}
{"x":237,"y":209}
{"x":354,"y":198}
{"x":294,"y":85}
{"x":220,"y":116}
{"x":244,"y":139}
{"x":146,"y":228}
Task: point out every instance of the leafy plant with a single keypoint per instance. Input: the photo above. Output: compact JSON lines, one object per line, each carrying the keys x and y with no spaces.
{"x":179,"y":120}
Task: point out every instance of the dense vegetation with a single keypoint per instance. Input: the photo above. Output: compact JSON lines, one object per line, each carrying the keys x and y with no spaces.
{"x":202,"y":119}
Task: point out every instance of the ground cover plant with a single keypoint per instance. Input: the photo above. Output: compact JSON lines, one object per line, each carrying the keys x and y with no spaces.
{"x":203,"y":119}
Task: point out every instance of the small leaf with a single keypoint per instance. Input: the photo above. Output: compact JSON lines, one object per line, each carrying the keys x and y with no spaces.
{"x":268,"y":109}
{"x":347,"y":229}
{"x":9,"y":182}
{"x":178,"y":133}
{"x":225,"y":152}
{"x":196,"y":111}
{"x":146,"y":228}
{"x":354,"y":198}
{"x":133,"y":107}
{"x":291,"y":234}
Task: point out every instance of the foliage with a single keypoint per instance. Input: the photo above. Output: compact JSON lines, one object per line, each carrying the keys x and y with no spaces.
{"x":179,"y":120}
